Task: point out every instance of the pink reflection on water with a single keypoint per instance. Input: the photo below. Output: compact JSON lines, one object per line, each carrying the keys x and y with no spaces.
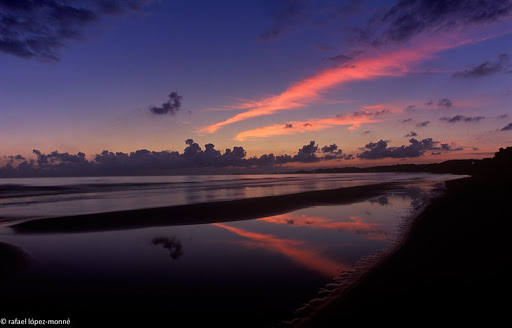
{"x":298,"y":251}
{"x":354,"y":225}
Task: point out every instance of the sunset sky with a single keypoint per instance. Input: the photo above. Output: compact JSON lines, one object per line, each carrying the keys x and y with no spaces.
{"x":383,"y":81}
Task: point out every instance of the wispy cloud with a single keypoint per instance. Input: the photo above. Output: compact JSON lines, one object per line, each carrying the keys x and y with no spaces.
{"x":485,"y":69}
{"x":462,"y":118}
{"x":409,"y":18}
{"x":395,"y":62}
{"x":507,"y":127}
{"x":406,"y":34}
{"x":39,"y":29}
{"x":353,"y":121}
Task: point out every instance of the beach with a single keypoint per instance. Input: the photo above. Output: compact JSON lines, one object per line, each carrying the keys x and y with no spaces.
{"x":453,"y":266}
{"x":202,"y":213}
{"x":242,"y":261}
{"x":448,"y":262}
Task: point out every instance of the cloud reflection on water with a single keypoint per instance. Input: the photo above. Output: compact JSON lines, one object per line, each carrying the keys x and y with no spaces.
{"x":355,"y":225}
{"x":299,"y":251}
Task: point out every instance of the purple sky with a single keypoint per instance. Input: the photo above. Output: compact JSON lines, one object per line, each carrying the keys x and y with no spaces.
{"x":384,"y":81}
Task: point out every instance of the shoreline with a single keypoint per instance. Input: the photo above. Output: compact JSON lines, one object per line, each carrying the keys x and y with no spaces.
{"x":363,"y":267}
{"x":213,"y":212}
{"x":449,"y":266}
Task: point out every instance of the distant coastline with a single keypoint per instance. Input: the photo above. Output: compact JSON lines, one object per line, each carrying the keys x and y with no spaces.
{"x":460,"y":166}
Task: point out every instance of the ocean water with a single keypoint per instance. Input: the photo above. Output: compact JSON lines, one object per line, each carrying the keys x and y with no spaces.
{"x":49,"y":197}
{"x":262,"y":269}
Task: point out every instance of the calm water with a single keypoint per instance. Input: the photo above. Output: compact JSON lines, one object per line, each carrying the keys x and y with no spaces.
{"x":48,"y":197}
{"x":264,"y":268}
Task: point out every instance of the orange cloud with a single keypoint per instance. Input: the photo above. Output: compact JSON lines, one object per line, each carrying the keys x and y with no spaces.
{"x":298,"y":251}
{"x":354,"y":120}
{"x":395,"y":62}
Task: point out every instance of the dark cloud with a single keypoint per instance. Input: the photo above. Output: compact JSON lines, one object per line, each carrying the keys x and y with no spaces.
{"x":366,"y":113}
{"x":172,"y":106}
{"x":329,"y":149}
{"x":333,"y":152}
{"x":288,"y":126}
{"x":485,"y":68}
{"x":292,"y":14}
{"x":407,"y":120}
{"x":411,"y":134}
{"x":380,"y":149}
{"x":503,"y":116}
{"x":507,"y":127}
{"x":461,"y":118}
{"x":16,"y":158}
{"x":408,"y":18}
{"x":367,"y":131}
{"x":173,"y":245}
{"x":445,"y":103}
{"x":40,"y":28}
{"x":289,"y":14}
{"x":144,"y":161}
{"x":422,"y":124}
{"x":307,"y":154}
{"x":340,"y":59}
{"x":410,"y":108}
{"x":447,"y":147}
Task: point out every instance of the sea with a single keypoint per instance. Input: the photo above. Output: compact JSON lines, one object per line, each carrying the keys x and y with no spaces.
{"x":256,"y":272}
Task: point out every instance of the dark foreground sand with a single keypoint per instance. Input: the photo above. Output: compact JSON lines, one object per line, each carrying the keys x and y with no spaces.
{"x":454,"y":267}
{"x":13,"y":260}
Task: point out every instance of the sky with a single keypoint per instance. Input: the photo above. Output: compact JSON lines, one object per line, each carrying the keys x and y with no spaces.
{"x":241,"y":84}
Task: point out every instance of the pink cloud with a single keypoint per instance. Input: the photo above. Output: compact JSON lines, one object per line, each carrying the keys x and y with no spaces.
{"x":353,"y":120}
{"x":398,"y":61}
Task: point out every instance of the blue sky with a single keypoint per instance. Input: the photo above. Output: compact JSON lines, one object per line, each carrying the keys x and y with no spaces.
{"x":92,"y":91}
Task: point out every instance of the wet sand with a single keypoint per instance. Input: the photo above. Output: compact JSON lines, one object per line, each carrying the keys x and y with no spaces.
{"x":13,"y":260}
{"x":214,"y":212}
{"x":454,"y":266}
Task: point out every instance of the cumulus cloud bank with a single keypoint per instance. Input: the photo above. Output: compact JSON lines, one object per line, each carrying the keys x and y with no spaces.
{"x":144,"y":161}
{"x":380,"y":149}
